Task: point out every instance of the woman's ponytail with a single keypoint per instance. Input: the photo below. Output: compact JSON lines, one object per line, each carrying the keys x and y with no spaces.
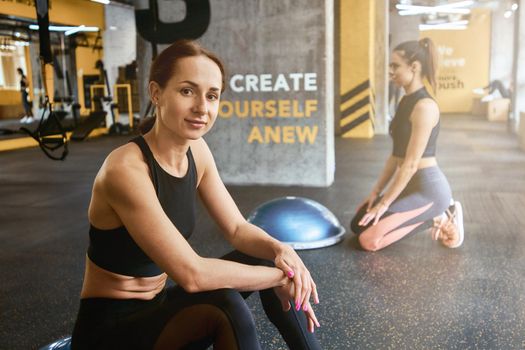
{"x":147,"y":124}
{"x":430,"y":58}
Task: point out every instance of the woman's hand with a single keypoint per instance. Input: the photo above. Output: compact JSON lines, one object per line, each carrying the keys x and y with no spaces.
{"x":286,"y":293}
{"x":374,"y":214}
{"x":291,"y":264}
{"x":368,"y":201}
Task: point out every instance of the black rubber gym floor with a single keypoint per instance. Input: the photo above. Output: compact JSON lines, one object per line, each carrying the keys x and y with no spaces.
{"x":412,"y":295}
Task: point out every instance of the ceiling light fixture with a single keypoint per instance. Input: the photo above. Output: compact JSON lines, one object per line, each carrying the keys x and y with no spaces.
{"x":429,"y":10}
{"x":458,"y":25}
{"x":74,"y":30}
{"x":453,"y":8}
{"x":67,"y":29}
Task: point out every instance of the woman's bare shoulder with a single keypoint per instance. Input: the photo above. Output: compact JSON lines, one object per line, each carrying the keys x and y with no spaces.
{"x":426,"y":110}
{"x":427,"y":104}
{"x":199,"y":148}
{"x":122,"y":161}
{"x":202,"y":156}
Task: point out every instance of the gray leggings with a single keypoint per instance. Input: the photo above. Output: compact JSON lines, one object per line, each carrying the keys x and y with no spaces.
{"x":428,"y":185}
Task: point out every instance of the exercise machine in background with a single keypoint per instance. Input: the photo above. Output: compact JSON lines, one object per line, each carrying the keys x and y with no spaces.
{"x":104,"y":110}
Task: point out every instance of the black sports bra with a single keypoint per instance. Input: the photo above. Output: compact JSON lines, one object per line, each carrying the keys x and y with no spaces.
{"x":116,"y":251}
{"x":401,"y":127}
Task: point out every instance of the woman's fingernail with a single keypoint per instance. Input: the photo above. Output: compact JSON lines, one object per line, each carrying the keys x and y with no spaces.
{"x":305,"y":307}
{"x":290,"y":274}
{"x":297,"y":306}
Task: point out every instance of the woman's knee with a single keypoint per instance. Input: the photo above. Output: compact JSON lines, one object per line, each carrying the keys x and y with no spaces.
{"x":227,"y":298}
{"x":369,"y":244}
{"x":242,"y":258}
{"x":233,"y":305}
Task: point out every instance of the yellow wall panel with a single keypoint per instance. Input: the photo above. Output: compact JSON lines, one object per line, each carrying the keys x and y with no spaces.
{"x":71,"y":12}
{"x":362,"y":130}
{"x":9,"y":97}
{"x":464,"y":62}
{"x":356,"y":70}
{"x":355,"y":46}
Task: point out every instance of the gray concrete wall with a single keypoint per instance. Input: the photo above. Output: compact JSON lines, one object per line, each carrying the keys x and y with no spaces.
{"x":37,"y":86}
{"x":522,"y":130}
{"x":288,"y":46}
{"x":502,"y":44}
{"x":402,"y":28}
{"x":381,"y":58}
{"x":519,"y":68}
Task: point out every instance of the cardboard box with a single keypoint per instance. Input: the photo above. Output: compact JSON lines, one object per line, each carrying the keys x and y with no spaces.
{"x":498,"y":109}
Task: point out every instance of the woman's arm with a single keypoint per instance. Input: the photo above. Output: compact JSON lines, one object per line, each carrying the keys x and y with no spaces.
{"x":384,"y":179}
{"x":424,"y":117}
{"x":246,"y":237}
{"x":388,"y":170}
{"x":242,"y":235}
{"x":136,"y":204}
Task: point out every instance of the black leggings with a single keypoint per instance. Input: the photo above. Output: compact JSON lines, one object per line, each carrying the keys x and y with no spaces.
{"x":220,"y":317}
{"x":25,"y":103}
{"x":498,"y":85}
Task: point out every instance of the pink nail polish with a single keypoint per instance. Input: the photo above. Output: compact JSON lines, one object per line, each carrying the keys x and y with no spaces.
{"x":290,"y":274}
{"x":297,"y":307}
{"x":305,"y":307}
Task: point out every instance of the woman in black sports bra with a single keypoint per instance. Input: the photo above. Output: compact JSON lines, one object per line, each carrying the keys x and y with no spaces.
{"x":141,"y":213}
{"x":411,"y":193}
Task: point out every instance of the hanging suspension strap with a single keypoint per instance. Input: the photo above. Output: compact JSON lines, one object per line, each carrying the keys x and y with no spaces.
{"x":50,"y":134}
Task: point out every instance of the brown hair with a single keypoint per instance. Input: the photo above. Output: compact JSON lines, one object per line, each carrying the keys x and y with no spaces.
{"x":163,"y":67}
{"x":423,"y":51}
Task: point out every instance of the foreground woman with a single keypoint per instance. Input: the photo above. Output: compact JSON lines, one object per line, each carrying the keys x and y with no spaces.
{"x":141,"y":213}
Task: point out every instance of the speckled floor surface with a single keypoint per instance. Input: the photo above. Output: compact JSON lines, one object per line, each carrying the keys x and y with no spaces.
{"x":412,"y":295}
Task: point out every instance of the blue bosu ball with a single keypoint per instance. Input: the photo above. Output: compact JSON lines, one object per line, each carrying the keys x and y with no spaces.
{"x":61,"y":344}
{"x":299,"y":222}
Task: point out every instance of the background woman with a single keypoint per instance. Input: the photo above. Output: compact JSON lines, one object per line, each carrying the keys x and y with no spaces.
{"x":24,"y":85}
{"x":141,"y":213}
{"x":411,"y":193}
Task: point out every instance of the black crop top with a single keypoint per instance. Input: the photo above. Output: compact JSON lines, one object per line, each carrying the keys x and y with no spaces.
{"x":116,"y":251}
{"x":401,"y":127}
